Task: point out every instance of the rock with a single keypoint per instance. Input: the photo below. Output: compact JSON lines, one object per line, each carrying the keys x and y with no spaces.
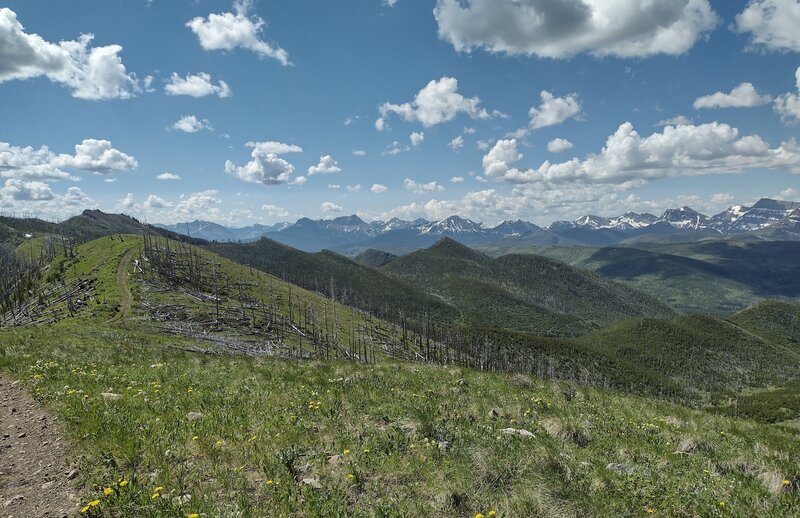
{"x":687,"y":446}
{"x":182,"y":499}
{"x":620,"y":468}
{"x":520,"y":432}
{"x":194,"y":416}
{"x":494,"y":413}
{"x":443,"y":445}
{"x":72,"y":474}
{"x":48,"y":485}
{"x":14,"y":500}
{"x":335,"y":459}
{"x":312,"y":482}
{"x":22,"y":435}
{"x":113,"y":396}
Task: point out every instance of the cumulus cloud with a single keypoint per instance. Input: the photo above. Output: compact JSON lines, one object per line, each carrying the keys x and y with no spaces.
{"x":771,"y":24}
{"x":354,"y":188}
{"x":92,"y":155}
{"x":156,"y":202}
{"x":198,"y":203}
{"x":39,"y":198}
{"x":378,"y":188}
{"x":326,"y":165}
{"x":559,"y":145}
{"x":457,"y":143}
{"x":554,"y":110}
{"x":227,"y":31}
{"x":630,"y":160}
{"x":330,"y":207}
{"x":359,"y":152}
{"x":457,"y":179}
{"x":437,"y":102}
{"x":553,"y":29}
{"x":788,"y":104}
{"x":94,"y":73}
{"x":274,"y":211}
{"x":416,"y":138}
{"x":168,"y":176}
{"x":197,"y":85}
{"x":421,"y":188}
{"x":266,"y":166}
{"x":743,"y":96}
{"x":191,"y":124}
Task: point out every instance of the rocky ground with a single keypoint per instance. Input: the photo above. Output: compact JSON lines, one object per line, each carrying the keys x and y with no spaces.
{"x":35,"y":481}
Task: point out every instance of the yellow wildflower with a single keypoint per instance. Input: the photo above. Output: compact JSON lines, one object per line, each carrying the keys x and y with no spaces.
{"x":123,"y":483}
{"x":786,"y":482}
{"x":269,"y":482}
{"x":366,"y":450}
{"x":94,"y":503}
{"x":107,"y":491}
{"x":722,"y":504}
{"x":193,"y":515}
{"x":492,"y":513}
{"x":195,"y":438}
{"x":347,"y":452}
{"x":351,"y":476}
{"x":479,"y":515}
{"x":158,"y":489}
{"x":154,"y":496}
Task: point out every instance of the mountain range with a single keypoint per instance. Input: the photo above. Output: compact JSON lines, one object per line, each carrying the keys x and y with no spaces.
{"x":766,"y":219}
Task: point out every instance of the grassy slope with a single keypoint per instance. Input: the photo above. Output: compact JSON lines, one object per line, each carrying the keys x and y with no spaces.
{"x":774,"y":320}
{"x":522,"y":292}
{"x":698,"y":352}
{"x":267,"y":424}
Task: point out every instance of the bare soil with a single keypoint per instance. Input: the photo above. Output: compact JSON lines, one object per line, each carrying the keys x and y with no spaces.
{"x":35,"y":480}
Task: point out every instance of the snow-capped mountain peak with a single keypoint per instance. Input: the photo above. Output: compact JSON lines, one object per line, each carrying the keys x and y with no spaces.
{"x":453,"y":225}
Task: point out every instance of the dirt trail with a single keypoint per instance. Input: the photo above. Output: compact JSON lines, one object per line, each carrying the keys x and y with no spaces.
{"x":34,"y":479}
{"x":122,"y":285}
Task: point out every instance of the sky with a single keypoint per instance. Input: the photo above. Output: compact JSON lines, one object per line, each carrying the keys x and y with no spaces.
{"x":263,"y":111}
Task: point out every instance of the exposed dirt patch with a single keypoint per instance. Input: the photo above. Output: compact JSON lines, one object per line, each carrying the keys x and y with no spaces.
{"x":34,"y":478}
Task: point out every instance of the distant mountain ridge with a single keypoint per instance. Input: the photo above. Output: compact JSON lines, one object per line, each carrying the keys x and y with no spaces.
{"x":766,"y":219}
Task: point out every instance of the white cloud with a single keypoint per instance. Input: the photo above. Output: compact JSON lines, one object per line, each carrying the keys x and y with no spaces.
{"x":127,"y":202}
{"x":38,"y":198}
{"x":421,"y":188}
{"x":198,"y":203}
{"x":156,"y":202}
{"x":559,"y":29}
{"x":743,"y":96}
{"x":469,"y":131}
{"x":93,"y":73}
{"x":266,"y":166}
{"x":327,"y":165}
{"x":629,"y":160}
{"x":457,"y":143}
{"x":97,"y":156}
{"x":168,"y":176}
{"x":274,"y":211}
{"x":772,"y":24}
{"x":390,"y":3}
{"x":354,"y":188}
{"x":300,"y":181}
{"x":416,"y":138}
{"x":197,"y":85}
{"x":788,"y":104}
{"x":20,"y":190}
{"x":722,"y":198}
{"x":359,"y":152}
{"x":227,"y":31}
{"x":395,"y":149}
{"x":554,"y":110}
{"x":437,"y":102}
{"x":678,"y":120}
{"x":191,"y":124}
{"x":378,"y":188}
{"x":330,"y":207}
{"x":789,"y":193}
{"x":483,"y":145}
{"x":457,"y":179}
{"x":559,"y":145}
{"x":334,"y":186}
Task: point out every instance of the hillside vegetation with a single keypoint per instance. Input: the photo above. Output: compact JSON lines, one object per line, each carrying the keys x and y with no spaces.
{"x":720,"y":277}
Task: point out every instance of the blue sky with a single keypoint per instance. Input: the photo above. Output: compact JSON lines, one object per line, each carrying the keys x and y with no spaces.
{"x":276,"y":88}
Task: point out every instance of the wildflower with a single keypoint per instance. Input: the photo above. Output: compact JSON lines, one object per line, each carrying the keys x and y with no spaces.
{"x":253,"y":438}
{"x":123,"y":483}
{"x":649,"y":510}
{"x":195,"y":438}
{"x":220,"y":442}
{"x":479,"y":515}
{"x":492,"y":513}
{"x":158,"y":489}
{"x":786,"y":482}
{"x":366,"y":450}
{"x":193,"y":515}
{"x":722,"y":504}
{"x":108,"y":491}
{"x":347,"y":452}
{"x":351,"y":476}
{"x":155,"y":495}
{"x":269,"y":482}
